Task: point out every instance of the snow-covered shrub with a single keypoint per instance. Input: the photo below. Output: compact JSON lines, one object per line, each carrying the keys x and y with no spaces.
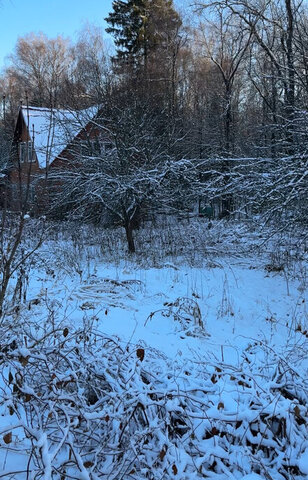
{"x":79,"y":404}
{"x":20,"y":238}
{"x":186,"y":313}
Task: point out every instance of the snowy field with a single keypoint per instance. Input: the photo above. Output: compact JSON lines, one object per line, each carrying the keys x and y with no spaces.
{"x":194,"y":360}
{"x":234,"y":304}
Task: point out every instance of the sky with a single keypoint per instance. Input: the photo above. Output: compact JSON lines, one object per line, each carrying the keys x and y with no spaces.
{"x":52,"y":17}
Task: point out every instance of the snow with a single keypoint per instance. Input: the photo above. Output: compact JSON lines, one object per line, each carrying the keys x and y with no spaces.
{"x":218,"y":343}
{"x":303,"y":462}
{"x":252,"y":476}
{"x":239,"y":306}
{"x":52,"y":130}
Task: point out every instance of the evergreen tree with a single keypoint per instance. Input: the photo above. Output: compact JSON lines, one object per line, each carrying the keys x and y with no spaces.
{"x":141,"y":29}
{"x":148,"y":41}
{"x":126,"y":24}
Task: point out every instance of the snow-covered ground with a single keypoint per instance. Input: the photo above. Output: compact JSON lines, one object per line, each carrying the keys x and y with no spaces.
{"x":232,"y":329}
{"x":239,"y":304}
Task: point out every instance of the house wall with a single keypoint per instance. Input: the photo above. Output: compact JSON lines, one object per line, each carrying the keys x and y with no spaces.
{"x":32,"y":188}
{"x":22,"y":177}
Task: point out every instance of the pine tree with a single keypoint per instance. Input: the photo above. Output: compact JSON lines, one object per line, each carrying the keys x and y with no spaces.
{"x":141,"y":28}
{"x":126,"y":23}
{"x":147,"y":38}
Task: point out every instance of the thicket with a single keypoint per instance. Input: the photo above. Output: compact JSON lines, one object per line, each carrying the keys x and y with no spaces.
{"x":80,"y":404}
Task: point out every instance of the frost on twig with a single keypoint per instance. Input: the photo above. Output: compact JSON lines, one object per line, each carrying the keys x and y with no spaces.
{"x":82,"y":405}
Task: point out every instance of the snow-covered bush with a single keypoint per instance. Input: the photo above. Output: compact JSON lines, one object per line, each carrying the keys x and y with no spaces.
{"x":79,"y":404}
{"x":20,"y":238}
{"x":186,"y":313}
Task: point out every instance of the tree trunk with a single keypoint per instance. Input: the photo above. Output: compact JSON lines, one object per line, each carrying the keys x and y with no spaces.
{"x":228,"y":119}
{"x":129,"y":236}
{"x":227,"y":200}
{"x":290,"y":93}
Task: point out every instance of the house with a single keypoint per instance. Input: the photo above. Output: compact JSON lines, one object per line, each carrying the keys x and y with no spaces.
{"x":48,"y":141}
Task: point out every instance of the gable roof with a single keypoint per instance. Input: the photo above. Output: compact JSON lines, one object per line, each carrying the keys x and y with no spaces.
{"x":52,"y":130}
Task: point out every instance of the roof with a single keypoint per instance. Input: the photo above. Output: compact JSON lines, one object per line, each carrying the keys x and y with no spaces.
{"x":52,"y":130}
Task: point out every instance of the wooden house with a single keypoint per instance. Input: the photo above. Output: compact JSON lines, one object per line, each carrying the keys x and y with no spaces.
{"x":46,"y":143}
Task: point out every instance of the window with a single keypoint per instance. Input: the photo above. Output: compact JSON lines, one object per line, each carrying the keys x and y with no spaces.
{"x":100,"y":147}
{"x":26,"y":153}
{"x":105,"y":147}
{"x":94,"y":147}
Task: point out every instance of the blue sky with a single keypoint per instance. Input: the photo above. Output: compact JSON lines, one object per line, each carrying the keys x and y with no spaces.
{"x":51,"y":17}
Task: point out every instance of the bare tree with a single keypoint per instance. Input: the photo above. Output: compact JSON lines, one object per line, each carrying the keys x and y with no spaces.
{"x":226,"y":42}
{"x":39,"y":66}
{"x":90,"y":79}
{"x":125,"y":173}
{"x":273,"y":27}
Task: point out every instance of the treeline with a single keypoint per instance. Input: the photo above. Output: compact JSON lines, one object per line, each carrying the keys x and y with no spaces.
{"x":225,"y":89}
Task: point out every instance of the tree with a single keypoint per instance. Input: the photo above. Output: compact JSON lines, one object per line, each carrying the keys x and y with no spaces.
{"x":226,"y":44}
{"x":39,"y":66}
{"x":273,"y":26}
{"x":147,"y":37}
{"x":139,"y":28}
{"x":55,"y":73}
{"x":128,"y":26}
{"x":124,"y":176}
{"x":90,"y":80}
